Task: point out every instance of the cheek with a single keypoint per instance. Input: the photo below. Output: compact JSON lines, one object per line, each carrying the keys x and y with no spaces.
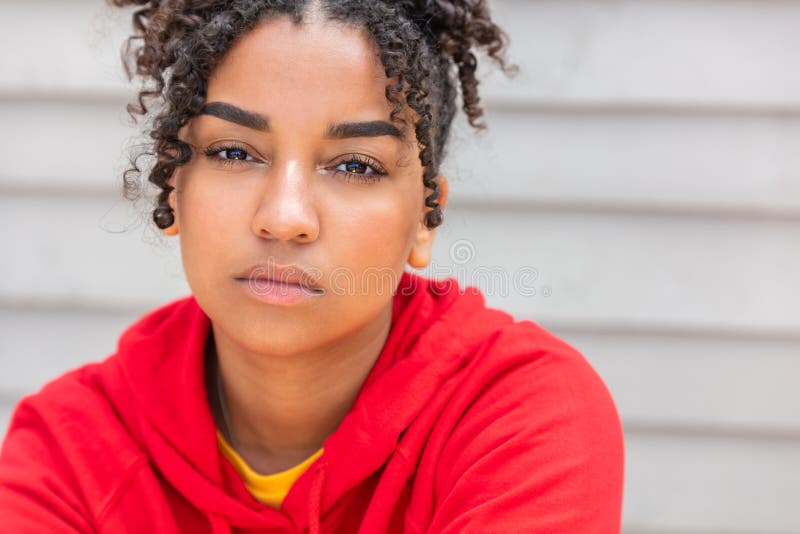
{"x":205,"y":202}
{"x":207,"y":217}
{"x":378,"y":230}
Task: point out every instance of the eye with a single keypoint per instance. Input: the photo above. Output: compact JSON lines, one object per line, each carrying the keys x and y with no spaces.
{"x":235,"y":153}
{"x":360,"y":168}
{"x":228,"y":154}
{"x":356,"y":167}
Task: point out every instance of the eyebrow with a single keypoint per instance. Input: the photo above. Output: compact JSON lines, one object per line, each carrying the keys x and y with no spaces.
{"x":342,"y":130}
{"x":231,"y":113}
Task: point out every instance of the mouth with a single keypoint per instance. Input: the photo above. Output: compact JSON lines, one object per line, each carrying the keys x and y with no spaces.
{"x":266,"y":285}
{"x":276,"y":283}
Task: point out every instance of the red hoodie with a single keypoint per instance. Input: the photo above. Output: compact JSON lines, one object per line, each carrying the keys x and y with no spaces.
{"x":468,"y":422}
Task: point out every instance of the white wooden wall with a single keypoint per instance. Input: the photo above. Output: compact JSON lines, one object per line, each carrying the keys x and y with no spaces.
{"x":646,"y":163}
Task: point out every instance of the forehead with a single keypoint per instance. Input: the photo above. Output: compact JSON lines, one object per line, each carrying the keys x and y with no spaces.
{"x":316,"y":71}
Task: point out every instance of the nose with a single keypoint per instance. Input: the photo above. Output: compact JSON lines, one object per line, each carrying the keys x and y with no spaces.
{"x":287,"y":210}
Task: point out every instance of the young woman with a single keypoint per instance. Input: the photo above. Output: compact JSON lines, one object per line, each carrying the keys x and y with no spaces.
{"x":309,"y":383}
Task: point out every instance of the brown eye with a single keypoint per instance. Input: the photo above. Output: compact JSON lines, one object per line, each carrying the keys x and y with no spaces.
{"x":356,"y":167}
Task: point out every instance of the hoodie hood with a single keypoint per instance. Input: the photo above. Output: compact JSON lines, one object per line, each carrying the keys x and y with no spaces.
{"x":157,"y":385}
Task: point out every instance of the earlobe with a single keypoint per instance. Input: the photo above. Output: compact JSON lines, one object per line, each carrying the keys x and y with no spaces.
{"x":171,"y":230}
{"x":419,"y":258}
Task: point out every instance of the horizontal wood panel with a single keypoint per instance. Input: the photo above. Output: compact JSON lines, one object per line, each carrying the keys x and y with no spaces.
{"x":701,"y":485}
{"x":78,"y":250}
{"x":619,"y":53}
{"x":635,"y":270}
{"x":704,"y":164}
{"x":38,"y":345}
{"x":65,"y":146}
{"x":712,"y":385}
{"x":642,"y":161}
{"x":76,"y":52}
{"x":720,"y":54}
{"x":709,"y":384}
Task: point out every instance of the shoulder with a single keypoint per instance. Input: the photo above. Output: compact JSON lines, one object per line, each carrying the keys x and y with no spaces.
{"x":57,"y":448}
{"x":538,"y":431}
{"x":528,"y":365}
{"x":73,"y":414}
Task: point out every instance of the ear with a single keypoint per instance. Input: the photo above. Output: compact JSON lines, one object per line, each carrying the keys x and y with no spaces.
{"x":421,"y":251}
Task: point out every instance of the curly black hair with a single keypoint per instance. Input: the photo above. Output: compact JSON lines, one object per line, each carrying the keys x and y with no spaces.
{"x":425,"y":46}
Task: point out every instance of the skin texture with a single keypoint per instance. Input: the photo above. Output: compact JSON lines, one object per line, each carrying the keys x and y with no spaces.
{"x":290,"y":373}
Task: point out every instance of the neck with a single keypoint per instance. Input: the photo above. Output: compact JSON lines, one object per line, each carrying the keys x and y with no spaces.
{"x":281,"y":408}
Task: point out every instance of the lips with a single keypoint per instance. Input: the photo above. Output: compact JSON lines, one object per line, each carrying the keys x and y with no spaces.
{"x":285,"y":275}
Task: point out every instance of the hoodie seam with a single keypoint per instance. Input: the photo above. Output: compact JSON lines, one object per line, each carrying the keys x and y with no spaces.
{"x":111,"y":500}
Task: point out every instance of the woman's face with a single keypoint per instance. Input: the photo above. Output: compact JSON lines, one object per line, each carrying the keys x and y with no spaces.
{"x":296,"y":163}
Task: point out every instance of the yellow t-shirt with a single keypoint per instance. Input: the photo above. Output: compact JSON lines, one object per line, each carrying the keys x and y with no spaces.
{"x":269,"y":489}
